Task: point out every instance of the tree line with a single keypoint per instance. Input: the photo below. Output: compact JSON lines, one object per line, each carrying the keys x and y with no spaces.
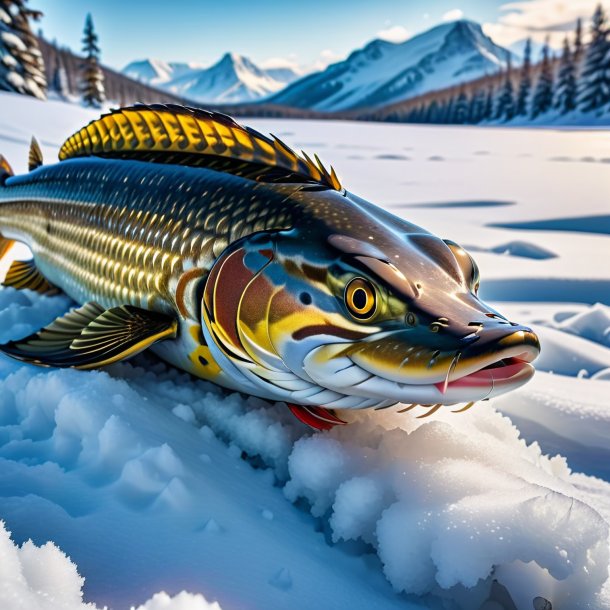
{"x":31,"y":65}
{"x":577,"y":80}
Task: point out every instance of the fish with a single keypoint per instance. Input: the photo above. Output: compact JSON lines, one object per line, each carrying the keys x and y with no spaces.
{"x":247,"y":264}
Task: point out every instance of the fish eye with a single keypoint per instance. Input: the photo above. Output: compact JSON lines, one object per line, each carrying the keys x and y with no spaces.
{"x":360,"y":298}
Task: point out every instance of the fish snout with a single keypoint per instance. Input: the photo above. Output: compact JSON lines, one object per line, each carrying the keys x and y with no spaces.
{"x":500,"y":353}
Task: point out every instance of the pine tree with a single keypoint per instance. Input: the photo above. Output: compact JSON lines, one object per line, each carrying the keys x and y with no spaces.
{"x":525,"y":82}
{"x":59,"y":81}
{"x":578,"y":48}
{"x":566,"y":84}
{"x":21,"y":64}
{"x":506,"y":99}
{"x":489,"y":105}
{"x":92,"y":84}
{"x":449,"y":113}
{"x":432,"y":112}
{"x":477,"y":107}
{"x":543,"y":96}
{"x":595,"y":78}
{"x":461,"y":109}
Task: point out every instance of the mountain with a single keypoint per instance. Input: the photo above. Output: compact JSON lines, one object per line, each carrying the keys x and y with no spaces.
{"x":155,"y":72}
{"x":383,"y":72}
{"x":233,"y":79}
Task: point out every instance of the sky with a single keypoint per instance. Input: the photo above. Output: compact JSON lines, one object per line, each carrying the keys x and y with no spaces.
{"x":309,"y":34}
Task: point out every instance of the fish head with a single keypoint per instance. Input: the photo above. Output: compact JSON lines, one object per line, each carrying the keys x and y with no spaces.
{"x":389,"y":314}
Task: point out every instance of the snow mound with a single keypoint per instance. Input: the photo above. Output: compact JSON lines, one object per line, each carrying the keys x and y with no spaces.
{"x":593,"y":324}
{"x":524,"y":249}
{"x":38,"y":577}
{"x":446,"y":502}
{"x":43,"y":578}
{"x":182,"y":601}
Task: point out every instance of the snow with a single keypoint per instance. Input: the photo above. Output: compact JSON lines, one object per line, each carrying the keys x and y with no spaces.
{"x":153,"y":481}
{"x":182,"y":601}
{"x":43,"y":578}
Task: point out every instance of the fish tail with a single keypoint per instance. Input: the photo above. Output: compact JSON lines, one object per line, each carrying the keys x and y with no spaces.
{"x":6,"y":171}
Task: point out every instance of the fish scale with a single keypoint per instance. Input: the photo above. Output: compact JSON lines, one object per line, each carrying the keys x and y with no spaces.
{"x":123,"y":242}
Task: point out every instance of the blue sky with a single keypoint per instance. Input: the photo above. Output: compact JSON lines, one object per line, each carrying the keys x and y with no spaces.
{"x":309,"y":33}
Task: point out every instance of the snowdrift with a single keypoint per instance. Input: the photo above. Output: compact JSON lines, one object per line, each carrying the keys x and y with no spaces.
{"x":43,"y":578}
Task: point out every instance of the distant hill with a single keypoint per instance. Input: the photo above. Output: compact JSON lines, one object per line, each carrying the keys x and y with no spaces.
{"x":383,"y":72}
{"x":156,"y":72}
{"x":233,"y":79}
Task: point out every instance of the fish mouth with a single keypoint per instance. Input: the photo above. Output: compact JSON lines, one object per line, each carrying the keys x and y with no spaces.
{"x":504,"y":363}
{"x":505,"y":373}
{"x":478,"y":373}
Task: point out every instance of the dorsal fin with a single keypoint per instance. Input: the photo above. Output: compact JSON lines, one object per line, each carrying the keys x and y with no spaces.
{"x":35,"y":155}
{"x":5,"y":168}
{"x":179,"y":134}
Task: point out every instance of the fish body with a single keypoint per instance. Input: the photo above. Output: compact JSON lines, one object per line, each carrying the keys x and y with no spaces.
{"x":273,"y":279}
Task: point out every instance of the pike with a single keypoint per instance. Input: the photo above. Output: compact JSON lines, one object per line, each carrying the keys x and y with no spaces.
{"x":247,"y":264}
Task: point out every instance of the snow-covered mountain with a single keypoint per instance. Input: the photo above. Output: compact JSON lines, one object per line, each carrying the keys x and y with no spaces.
{"x":156,"y":72}
{"x":383,"y":72}
{"x":233,"y":79}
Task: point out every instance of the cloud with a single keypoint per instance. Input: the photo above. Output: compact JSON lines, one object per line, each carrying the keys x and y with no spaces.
{"x":394,"y":33}
{"x":538,"y":19}
{"x":326,"y":57}
{"x":279,"y":62}
{"x":453,"y":15}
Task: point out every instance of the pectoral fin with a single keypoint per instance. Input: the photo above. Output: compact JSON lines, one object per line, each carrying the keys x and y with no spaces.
{"x":90,"y":337}
{"x":317,"y":418}
{"x":25,"y":274}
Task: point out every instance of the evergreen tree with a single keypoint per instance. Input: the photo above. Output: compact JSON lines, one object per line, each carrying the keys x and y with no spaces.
{"x":92,"y":83}
{"x":488,"y":110}
{"x":59,"y":81}
{"x":21,"y":64}
{"x":506,"y":98}
{"x":477,"y":107}
{"x":566,"y":84}
{"x":578,"y":47}
{"x":432,"y":112}
{"x":461,"y":109}
{"x":543,"y":96}
{"x":525,"y":82}
{"x":449,"y":114}
{"x":595,"y":78}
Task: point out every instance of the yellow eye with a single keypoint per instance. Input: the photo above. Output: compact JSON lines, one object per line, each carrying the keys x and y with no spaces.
{"x":361,"y":299}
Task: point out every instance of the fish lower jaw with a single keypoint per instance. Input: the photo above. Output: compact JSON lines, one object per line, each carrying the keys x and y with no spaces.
{"x":483,"y":384}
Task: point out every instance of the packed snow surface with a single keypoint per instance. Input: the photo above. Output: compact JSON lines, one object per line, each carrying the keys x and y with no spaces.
{"x":151,"y":481}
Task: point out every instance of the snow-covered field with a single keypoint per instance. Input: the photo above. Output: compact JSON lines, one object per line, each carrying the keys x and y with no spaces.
{"x":151,"y":481}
